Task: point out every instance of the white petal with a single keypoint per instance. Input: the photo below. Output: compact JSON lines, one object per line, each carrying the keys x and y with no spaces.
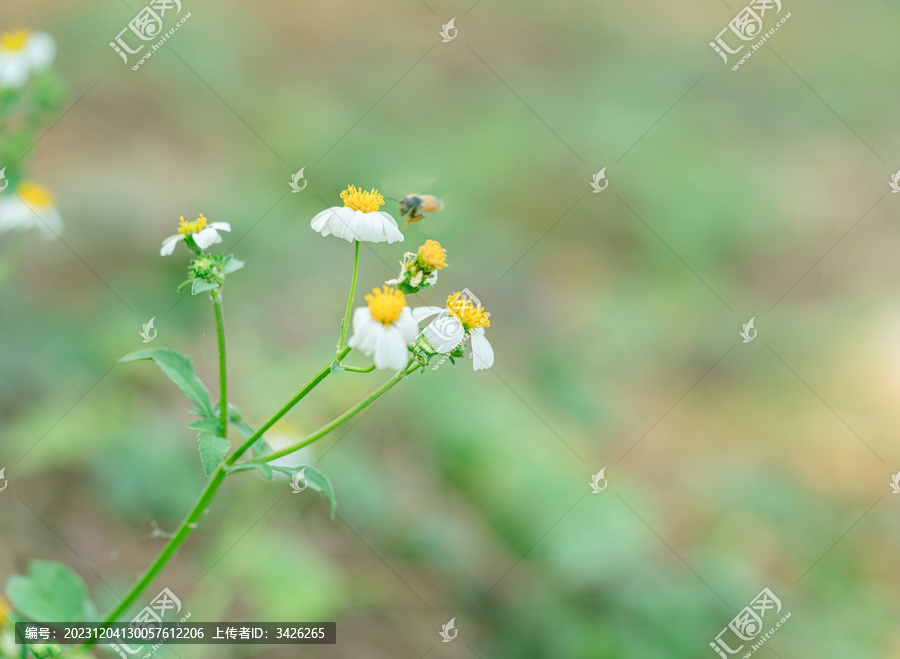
{"x":169,"y":243}
{"x":482,"y":352}
{"x":366,"y":331}
{"x":421,"y":313}
{"x":220,"y":226}
{"x":391,"y":231}
{"x":391,"y":351}
{"x":206,"y":237}
{"x":14,"y":70}
{"x":444,"y":333}
{"x":40,"y":50}
{"x":50,"y":222}
{"x":15,"y":214}
{"x":408,"y":327}
{"x":320,"y":221}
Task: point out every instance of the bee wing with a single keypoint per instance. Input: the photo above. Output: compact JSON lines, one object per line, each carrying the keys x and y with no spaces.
{"x":405,"y":185}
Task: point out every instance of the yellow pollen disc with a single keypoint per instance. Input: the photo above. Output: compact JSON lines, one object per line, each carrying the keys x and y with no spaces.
{"x":360,"y":200}
{"x":469,"y":315}
{"x":432,"y":255}
{"x":15,"y":40}
{"x":386,"y":305}
{"x":36,"y":195}
{"x":196,"y":226}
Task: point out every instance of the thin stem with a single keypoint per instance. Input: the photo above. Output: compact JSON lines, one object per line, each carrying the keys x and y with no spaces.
{"x":223,"y":374}
{"x":346,"y":322}
{"x":357,"y":369}
{"x":324,"y":430}
{"x":172,"y":546}
{"x":317,"y":378}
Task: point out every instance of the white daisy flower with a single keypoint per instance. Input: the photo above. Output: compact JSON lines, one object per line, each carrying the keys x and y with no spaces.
{"x":358,"y":219}
{"x":201,"y":234}
{"x":459,"y":320}
{"x":385,"y":328}
{"x":30,"y":205}
{"x":21,"y":53}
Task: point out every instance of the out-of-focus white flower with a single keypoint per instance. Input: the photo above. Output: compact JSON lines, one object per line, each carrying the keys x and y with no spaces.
{"x":199,"y":231}
{"x":21,"y":53}
{"x":384,"y":328}
{"x":358,"y":219}
{"x":30,"y":205}
{"x":460,"y":318}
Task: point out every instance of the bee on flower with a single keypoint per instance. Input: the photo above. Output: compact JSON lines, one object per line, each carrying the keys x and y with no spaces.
{"x":22,"y":53}
{"x":30,"y":205}
{"x":359,"y":219}
{"x":198,"y":235}
{"x":420,"y":270}
{"x":462,"y":320}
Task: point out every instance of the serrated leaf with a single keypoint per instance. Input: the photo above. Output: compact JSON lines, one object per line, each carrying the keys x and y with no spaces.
{"x":210,"y":425}
{"x":51,"y":592}
{"x":231,"y":265}
{"x":201,"y":285}
{"x":212,"y":451}
{"x":179,"y":370}
{"x":316,"y":479}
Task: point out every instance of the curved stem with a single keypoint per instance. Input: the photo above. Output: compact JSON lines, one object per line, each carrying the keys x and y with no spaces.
{"x":324,"y":430}
{"x":223,"y":374}
{"x":317,"y":378}
{"x":172,"y":546}
{"x":357,"y":369}
{"x":346,"y":322}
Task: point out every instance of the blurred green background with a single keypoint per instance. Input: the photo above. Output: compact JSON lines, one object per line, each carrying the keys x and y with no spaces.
{"x":615,"y":317}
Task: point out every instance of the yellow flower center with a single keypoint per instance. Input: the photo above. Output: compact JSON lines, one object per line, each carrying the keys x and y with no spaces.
{"x":432,"y":255}
{"x":469,"y":315}
{"x":386,"y":305}
{"x":196,"y":226}
{"x":36,"y":195}
{"x":360,"y":200}
{"x":14,"y":40}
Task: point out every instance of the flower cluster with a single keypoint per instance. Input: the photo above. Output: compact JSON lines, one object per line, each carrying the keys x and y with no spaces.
{"x":420,"y":270}
{"x":388,"y":329}
{"x":30,"y":95}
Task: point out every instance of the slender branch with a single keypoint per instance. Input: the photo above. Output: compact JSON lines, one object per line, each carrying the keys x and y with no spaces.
{"x":324,"y":430}
{"x":346,"y":322}
{"x":223,"y":374}
{"x":187,"y":525}
{"x":317,"y":378}
{"x":357,"y":369}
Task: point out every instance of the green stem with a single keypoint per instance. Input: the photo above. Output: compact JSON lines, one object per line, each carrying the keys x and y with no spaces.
{"x":172,"y":546}
{"x":357,"y":369}
{"x":223,"y":374}
{"x":324,"y":430}
{"x":346,"y":322}
{"x":317,"y":378}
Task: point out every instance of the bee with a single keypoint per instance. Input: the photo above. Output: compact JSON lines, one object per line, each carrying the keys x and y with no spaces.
{"x":416,"y":205}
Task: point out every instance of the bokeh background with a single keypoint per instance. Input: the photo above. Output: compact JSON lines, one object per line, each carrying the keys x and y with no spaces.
{"x":615,"y":322}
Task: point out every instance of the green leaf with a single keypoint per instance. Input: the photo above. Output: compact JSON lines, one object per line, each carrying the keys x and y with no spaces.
{"x":259,"y":448}
{"x":210,"y":425}
{"x":201,"y":285}
{"x":180,"y":370}
{"x":316,"y":479}
{"x":231,"y":265}
{"x":51,"y":592}
{"x":212,"y":451}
